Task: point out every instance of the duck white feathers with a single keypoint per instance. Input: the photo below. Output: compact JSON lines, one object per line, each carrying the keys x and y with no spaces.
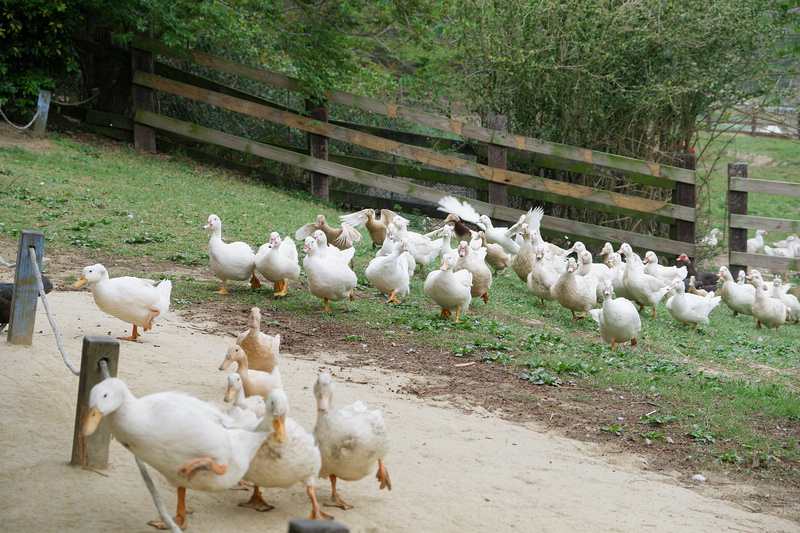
{"x":246,"y":409}
{"x":756,"y":244}
{"x":288,"y":456}
{"x":522,"y":262}
{"x":327,"y":280}
{"x":389,"y":273}
{"x":422,"y":249}
{"x":230,"y":261}
{"x":574,"y":292}
{"x":618,"y":318}
{"x":179,"y":435}
{"x":667,"y":274}
{"x":542,"y":277}
{"x":738,"y":297}
{"x":136,"y":301}
{"x":262,"y":350}
{"x":254,"y":382}
{"x":688,"y":308}
{"x":277,"y":261}
{"x":450,"y":290}
{"x":646,"y":290}
{"x":769,"y":312}
{"x":351,"y":440}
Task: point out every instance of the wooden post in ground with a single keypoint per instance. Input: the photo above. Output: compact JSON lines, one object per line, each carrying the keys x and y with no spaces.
{"x":92,"y":451}
{"x":497,"y":158}
{"x":737,"y":205}
{"x":685,"y":194}
{"x":144,"y":137}
{"x":22,"y":316}
{"x":318,"y":147}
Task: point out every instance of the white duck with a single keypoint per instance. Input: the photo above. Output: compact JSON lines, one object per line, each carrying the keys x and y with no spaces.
{"x":136,"y":301}
{"x":598,"y":271}
{"x":246,"y":409}
{"x":254,"y":382}
{"x":542,"y":277}
{"x":689,"y":308}
{"x":667,"y":274}
{"x":710,"y":240}
{"x":770,"y":312}
{"x":756,"y":244}
{"x":502,"y":236}
{"x":739,"y":298}
{"x":646,"y":290}
{"x":262,"y":350}
{"x":618,"y":319}
{"x":389,"y":273}
{"x":278,"y":262}
{"x":330,"y":252}
{"x":230,"y":261}
{"x":574,"y":292}
{"x":327,"y":280}
{"x":522,"y":262}
{"x":179,"y":435}
{"x":473,"y":261}
{"x":422,"y":249}
{"x":781,"y":292}
{"x":288,"y":456}
{"x":450,"y":290}
{"x":351,"y":440}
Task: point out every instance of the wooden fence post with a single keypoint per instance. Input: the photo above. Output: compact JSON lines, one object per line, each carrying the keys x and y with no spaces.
{"x":318,"y":147}
{"x":497,"y":158}
{"x":92,"y":451}
{"x":737,"y":205}
{"x":22,"y":316}
{"x":144,"y":137}
{"x":685,"y":194}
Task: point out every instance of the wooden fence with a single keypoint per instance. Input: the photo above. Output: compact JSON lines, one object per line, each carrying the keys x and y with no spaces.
{"x":423,"y":154}
{"x":739,"y":185}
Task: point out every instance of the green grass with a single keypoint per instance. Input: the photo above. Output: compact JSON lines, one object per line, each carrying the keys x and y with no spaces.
{"x":726,"y":387}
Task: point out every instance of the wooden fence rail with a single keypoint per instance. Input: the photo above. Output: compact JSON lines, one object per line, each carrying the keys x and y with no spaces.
{"x":739,"y":185}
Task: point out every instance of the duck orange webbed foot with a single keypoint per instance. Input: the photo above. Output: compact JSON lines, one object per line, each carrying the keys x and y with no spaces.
{"x":257,"y":502}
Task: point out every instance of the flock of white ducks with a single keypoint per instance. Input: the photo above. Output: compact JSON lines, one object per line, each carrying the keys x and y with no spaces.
{"x":198,"y":445}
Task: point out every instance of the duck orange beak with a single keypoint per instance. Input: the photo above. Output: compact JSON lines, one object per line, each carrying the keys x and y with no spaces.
{"x":80,"y":282}
{"x":279,"y":426}
{"x":91,"y":422}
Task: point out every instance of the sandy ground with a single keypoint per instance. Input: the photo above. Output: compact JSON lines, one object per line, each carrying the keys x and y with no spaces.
{"x":451,"y":470}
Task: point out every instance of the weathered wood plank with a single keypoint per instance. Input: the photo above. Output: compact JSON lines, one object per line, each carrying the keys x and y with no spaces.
{"x":781,"y":188}
{"x":765,"y":261}
{"x":586,"y":194}
{"x":22,"y":315}
{"x":110,"y":120}
{"x":746,"y":222}
{"x":419,"y":117}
